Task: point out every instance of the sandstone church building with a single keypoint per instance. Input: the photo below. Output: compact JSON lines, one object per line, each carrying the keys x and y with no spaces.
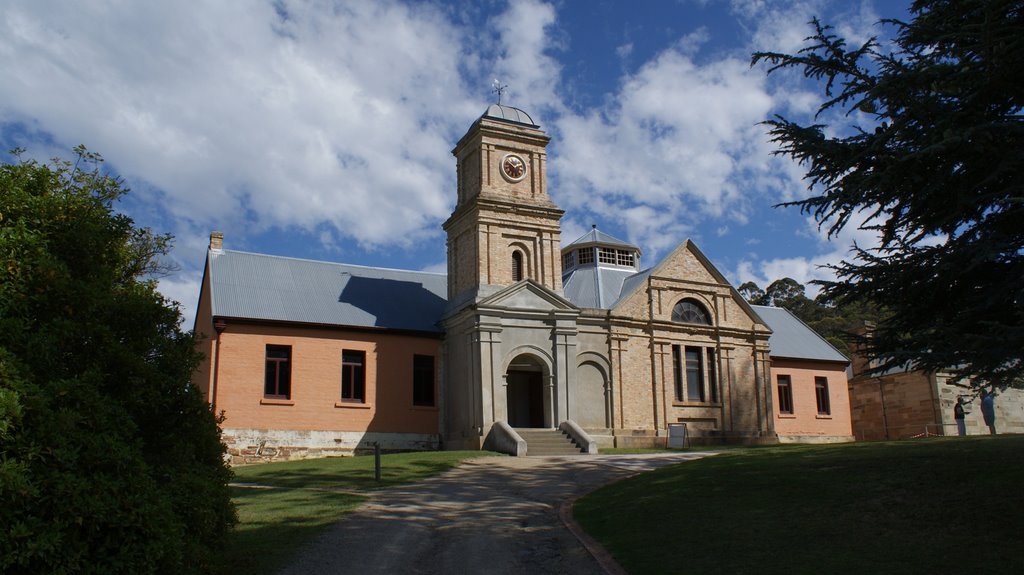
{"x":307,"y":358}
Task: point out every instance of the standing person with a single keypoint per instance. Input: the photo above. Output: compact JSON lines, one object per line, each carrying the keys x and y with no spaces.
{"x":988,"y":410}
{"x":958,"y":415}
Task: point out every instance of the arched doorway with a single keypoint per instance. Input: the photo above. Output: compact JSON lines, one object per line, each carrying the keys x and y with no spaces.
{"x":526,"y":393}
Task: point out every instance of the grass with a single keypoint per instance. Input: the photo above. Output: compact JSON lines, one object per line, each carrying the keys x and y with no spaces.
{"x":307,"y":496}
{"x":930,"y":506}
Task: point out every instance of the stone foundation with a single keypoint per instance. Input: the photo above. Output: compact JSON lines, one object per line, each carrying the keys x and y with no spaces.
{"x":816,"y":439}
{"x":249,"y":446}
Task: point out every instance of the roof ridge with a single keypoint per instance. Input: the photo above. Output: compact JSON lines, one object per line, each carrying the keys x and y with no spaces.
{"x":326,"y":262}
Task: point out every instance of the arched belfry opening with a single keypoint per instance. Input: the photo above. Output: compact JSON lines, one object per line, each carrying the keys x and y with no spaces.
{"x":528,"y":397}
{"x":517,"y":265}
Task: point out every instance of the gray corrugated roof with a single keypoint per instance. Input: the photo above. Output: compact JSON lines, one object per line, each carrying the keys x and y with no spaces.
{"x":510,"y":114}
{"x":596,"y":236}
{"x":263,"y":287}
{"x":791,"y":338}
{"x":595,"y":286}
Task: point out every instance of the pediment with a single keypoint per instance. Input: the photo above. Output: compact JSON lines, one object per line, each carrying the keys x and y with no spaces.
{"x":527,"y":295}
{"x":686,"y":264}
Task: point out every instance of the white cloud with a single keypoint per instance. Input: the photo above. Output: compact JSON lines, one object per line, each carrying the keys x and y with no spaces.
{"x":804,"y":269}
{"x":524,"y":39}
{"x":183,"y":288}
{"x":335,"y":119}
{"x":678,"y":144}
{"x":246,"y":117}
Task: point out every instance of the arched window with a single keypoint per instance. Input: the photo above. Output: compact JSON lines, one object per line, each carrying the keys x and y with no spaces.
{"x":517,"y":265}
{"x":691,"y":311}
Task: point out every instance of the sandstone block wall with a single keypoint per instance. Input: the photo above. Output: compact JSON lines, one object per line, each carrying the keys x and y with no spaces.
{"x":248,"y":446}
{"x":909,"y":404}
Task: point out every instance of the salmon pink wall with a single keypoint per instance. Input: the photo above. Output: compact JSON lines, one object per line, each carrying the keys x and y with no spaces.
{"x":805,"y":420}
{"x":316,"y":380}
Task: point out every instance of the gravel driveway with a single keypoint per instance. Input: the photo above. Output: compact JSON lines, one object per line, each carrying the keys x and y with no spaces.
{"x":491,"y":515}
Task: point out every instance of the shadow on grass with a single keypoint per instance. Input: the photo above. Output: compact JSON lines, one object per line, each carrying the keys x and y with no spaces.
{"x":897,"y":507}
{"x":307,"y":496}
{"x":275,"y":523}
{"x":353,"y":473}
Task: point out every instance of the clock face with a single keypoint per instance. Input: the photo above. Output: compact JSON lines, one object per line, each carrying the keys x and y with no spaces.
{"x":513,"y":167}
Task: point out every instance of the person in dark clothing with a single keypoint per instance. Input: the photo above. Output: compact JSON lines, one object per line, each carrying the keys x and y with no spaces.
{"x":988,"y":410}
{"x":958,"y":415}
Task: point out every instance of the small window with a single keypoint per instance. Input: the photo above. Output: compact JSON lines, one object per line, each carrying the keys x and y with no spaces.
{"x":624,"y":258}
{"x":517,"y":265}
{"x":586,"y":256}
{"x":606,"y":255}
{"x":353,"y":376}
{"x":821,"y":394}
{"x":423,"y":380}
{"x":568,"y":260}
{"x":690,"y":311}
{"x":277,"y":377}
{"x":785,"y":395}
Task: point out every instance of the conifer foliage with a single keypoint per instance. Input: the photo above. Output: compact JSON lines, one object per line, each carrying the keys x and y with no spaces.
{"x":936,"y":162}
{"x":110,"y":461}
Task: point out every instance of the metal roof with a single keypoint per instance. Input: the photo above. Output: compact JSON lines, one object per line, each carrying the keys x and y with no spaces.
{"x":792,"y":339}
{"x":595,"y":286}
{"x":263,"y":287}
{"x":509,"y":114}
{"x":596,"y":236}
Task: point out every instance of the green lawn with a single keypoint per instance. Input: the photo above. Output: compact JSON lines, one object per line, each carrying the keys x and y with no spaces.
{"x":309,"y":495}
{"x":928,"y":506}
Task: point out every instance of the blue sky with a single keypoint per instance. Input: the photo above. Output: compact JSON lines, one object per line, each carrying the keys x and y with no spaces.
{"x":324,"y":130}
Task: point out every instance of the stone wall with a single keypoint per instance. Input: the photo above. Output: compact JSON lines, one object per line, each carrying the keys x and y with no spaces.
{"x":249,"y":446}
{"x":911,"y":404}
{"x":1009,"y":408}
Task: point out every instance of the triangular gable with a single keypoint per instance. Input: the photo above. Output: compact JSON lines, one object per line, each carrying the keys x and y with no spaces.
{"x":527,"y":294}
{"x":672,"y":265}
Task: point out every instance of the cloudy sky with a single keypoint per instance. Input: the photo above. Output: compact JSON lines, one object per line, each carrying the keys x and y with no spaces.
{"x":324,"y":129}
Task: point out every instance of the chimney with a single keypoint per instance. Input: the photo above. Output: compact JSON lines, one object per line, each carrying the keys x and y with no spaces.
{"x":216,"y":241}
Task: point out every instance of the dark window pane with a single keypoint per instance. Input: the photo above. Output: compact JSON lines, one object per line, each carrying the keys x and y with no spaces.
{"x":353,"y":376}
{"x":677,"y":371}
{"x":690,"y":311}
{"x":277,"y":373}
{"x":712,"y":380}
{"x":821,"y":394}
{"x":694,"y":375}
{"x":785,"y":394}
{"x":423,"y":380}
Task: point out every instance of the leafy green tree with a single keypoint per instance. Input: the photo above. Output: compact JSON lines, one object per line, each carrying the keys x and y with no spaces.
{"x":935,"y":163}
{"x":752,"y":293}
{"x":110,"y":461}
{"x":786,"y":292}
{"x":834,"y":321}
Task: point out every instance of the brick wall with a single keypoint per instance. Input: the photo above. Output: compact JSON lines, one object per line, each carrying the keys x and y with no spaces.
{"x":315,"y":402}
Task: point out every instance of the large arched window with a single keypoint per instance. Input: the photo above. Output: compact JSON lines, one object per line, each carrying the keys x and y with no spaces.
{"x":691,"y":311}
{"x":517,"y":265}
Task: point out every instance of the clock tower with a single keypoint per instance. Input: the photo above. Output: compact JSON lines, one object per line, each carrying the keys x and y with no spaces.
{"x":505,"y":228}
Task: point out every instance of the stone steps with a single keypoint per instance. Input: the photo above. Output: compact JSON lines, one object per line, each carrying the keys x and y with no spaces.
{"x":548,"y":442}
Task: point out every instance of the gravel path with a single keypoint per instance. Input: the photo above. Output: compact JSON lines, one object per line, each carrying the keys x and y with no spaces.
{"x":491,"y":515}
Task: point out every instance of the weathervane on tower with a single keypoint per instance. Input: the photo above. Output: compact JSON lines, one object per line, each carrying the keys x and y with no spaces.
{"x":498,"y":89}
